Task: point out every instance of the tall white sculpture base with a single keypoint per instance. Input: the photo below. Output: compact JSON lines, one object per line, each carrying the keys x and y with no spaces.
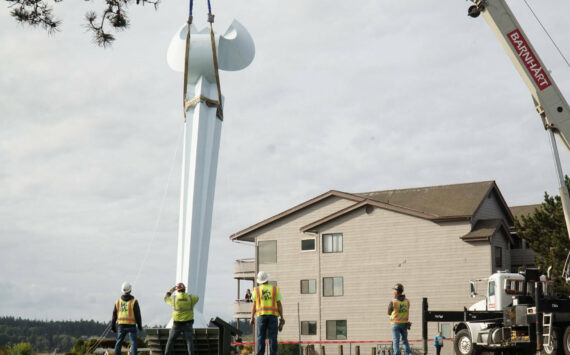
{"x":202,"y":130}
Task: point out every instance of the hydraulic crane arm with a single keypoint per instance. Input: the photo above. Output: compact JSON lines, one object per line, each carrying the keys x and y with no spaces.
{"x":550,"y":104}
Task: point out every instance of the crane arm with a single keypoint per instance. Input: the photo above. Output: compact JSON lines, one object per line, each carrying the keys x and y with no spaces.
{"x":549,"y":101}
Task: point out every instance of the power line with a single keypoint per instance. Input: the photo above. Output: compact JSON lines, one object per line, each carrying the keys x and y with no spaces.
{"x":548,"y":34}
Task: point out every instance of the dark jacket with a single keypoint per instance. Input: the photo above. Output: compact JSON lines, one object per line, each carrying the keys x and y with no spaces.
{"x":391,"y":305}
{"x":136,"y":309}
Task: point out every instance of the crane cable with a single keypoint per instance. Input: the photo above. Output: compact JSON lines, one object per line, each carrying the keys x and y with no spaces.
{"x":548,"y":34}
{"x":209,"y":102}
{"x":219,"y":111}
{"x":187,"y":55}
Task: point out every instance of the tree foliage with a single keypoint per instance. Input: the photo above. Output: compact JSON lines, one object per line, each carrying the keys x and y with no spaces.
{"x":545,"y":231}
{"x":114,"y":15}
{"x":45,"y":336}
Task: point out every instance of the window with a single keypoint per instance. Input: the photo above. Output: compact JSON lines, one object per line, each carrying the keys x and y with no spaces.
{"x":308,"y":244}
{"x":336,"y":330}
{"x":446,"y":330}
{"x":498,"y":257}
{"x":333,"y":286}
{"x":491,"y":288}
{"x":332,"y":243}
{"x":267,"y":252}
{"x":308,"y":328}
{"x":308,"y":286}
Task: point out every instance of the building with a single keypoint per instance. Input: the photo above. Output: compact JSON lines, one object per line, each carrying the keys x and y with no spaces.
{"x":337,"y":256}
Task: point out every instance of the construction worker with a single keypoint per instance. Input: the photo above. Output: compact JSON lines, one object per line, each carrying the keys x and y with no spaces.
{"x":182,"y":316}
{"x":127,"y":314}
{"x":398,"y":310}
{"x":267,"y":306}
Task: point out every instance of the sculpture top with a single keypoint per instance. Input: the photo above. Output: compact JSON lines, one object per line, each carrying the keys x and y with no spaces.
{"x":235,"y":49}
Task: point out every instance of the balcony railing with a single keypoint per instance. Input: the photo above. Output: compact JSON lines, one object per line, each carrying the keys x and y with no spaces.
{"x":244,"y":269}
{"x":242,"y":309}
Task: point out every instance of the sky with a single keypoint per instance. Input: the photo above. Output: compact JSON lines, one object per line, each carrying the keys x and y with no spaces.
{"x":350,"y":96}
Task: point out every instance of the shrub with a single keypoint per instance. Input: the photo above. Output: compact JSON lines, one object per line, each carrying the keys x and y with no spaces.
{"x":21,"y":349}
{"x":289,"y":349}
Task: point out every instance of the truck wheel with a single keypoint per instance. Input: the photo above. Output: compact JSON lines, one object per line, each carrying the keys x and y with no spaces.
{"x":555,"y":343}
{"x":463,"y":344}
{"x":566,"y":341}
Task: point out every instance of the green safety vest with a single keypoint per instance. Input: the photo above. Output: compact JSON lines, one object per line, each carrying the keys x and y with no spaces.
{"x":400,"y":312}
{"x":266,"y":303}
{"x":183,"y":307}
{"x":125,"y":311}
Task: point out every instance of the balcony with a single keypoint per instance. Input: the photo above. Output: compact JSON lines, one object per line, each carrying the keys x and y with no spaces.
{"x":244,"y":269}
{"x":242,"y":309}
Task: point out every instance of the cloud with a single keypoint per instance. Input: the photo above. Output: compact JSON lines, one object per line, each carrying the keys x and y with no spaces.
{"x":352,"y":97}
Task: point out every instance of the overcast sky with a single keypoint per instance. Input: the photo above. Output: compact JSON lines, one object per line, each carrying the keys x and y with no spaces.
{"x":351,"y":96}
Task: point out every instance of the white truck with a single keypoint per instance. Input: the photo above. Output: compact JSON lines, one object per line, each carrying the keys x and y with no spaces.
{"x":518,"y":314}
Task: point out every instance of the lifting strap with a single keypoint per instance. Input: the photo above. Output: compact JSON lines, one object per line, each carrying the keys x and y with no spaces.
{"x":187,"y":57}
{"x":209,"y":102}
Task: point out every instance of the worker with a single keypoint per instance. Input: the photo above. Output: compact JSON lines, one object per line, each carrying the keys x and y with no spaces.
{"x":438,"y":342}
{"x":267,"y":307}
{"x":398,"y":310}
{"x":182,"y":316}
{"x":127,"y":314}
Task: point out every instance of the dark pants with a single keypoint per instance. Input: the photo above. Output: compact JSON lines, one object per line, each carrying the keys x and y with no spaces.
{"x":121,"y":334}
{"x":177,"y":328}
{"x":438,"y":349}
{"x":267,"y":327}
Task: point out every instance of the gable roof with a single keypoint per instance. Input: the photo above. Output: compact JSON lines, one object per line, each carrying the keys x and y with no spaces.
{"x":484,"y":230}
{"x":525,"y":210}
{"x":242,"y":235}
{"x":457,"y":200}
{"x":444,"y":202}
{"x":312,"y":227}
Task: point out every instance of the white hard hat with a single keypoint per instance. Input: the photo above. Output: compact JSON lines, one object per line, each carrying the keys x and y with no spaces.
{"x":126,"y":287}
{"x":262,"y":277}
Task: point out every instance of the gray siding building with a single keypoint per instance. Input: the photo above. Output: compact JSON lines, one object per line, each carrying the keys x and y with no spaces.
{"x":337,"y":256}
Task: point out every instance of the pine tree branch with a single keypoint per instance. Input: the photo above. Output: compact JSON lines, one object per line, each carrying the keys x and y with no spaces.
{"x":40,"y":13}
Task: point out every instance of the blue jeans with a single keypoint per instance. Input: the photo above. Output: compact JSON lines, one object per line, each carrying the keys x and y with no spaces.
{"x":400,"y":330}
{"x":267,"y":327}
{"x":176,"y":329}
{"x":121,"y":334}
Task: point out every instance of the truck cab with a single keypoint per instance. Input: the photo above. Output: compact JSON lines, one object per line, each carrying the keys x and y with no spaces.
{"x":502,"y":289}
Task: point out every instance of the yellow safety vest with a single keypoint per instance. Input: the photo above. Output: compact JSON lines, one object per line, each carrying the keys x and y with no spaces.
{"x":183,"y":305}
{"x":125,"y":311}
{"x":400,"y":312}
{"x":266,"y":303}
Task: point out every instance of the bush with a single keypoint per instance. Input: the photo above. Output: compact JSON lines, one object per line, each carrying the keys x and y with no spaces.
{"x":21,"y":349}
{"x":247,"y":349}
{"x":289,"y":349}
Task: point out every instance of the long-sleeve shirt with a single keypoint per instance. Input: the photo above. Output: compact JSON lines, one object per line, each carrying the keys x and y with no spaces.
{"x":136,"y":309}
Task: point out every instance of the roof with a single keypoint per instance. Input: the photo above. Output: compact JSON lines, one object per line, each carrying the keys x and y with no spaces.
{"x":526,"y":210}
{"x":444,"y":201}
{"x":484,"y":230}
{"x":438,"y":203}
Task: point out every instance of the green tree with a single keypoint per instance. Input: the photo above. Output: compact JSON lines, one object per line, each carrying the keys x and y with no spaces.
{"x":79,"y":347}
{"x":545,"y":231}
{"x":40,"y":13}
{"x":22,"y":349}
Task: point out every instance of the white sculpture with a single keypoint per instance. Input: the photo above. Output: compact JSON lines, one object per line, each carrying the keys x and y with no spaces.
{"x":202,"y":128}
